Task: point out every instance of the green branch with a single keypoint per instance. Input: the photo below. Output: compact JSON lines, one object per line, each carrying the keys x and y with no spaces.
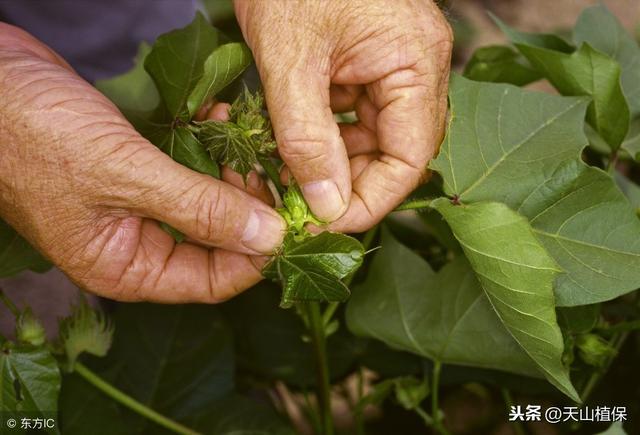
{"x":318,"y":340}
{"x":9,"y":303}
{"x":130,"y":402}
{"x":435,"y":404}
{"x":416,"y":204}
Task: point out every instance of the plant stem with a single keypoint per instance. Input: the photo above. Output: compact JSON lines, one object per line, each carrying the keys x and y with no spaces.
{"x":435,"y":405}
{"x":318,"y":340}
{"x":611,"y":164}
{"x":416,"y":204}
{"x":9,"y":303}
{"x":508,"y":402}
{"x":130,"y":402}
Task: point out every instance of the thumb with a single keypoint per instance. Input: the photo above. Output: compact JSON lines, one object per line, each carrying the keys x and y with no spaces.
{"x":207,"y":210}
{"x":308,"y":137}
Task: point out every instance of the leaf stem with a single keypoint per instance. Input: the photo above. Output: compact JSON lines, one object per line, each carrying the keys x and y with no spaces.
{"x":9,"y":303}
{"x":415,"y":204}
{"x":130,"y":402}
{"x":435,"y":404}
{"x":318,"y":340}
{"x":611,"y":164}
{"x":272,"y":173}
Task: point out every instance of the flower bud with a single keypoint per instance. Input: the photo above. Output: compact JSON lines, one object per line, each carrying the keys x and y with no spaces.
{"x":594,"y":350}
{"x":29,"y":329}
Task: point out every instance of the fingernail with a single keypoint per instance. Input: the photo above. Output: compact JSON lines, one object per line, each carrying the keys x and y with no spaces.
{"x":264,"y":231}
{"x":324,"y":199}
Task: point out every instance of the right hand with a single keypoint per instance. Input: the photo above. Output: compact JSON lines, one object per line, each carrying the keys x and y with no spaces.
{"x":87,"y":190}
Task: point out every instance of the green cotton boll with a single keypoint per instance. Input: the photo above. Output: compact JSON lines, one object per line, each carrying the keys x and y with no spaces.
{"x":85,"y":330}
{"x":594,"y":350}
{"x":29,"y":329}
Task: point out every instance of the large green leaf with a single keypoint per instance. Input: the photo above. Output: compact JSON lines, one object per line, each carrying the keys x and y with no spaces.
{"x":86,"y":410}
{"x":133,"y":90}
{"x":529,"y":145}
{"x":542,"y":40}
{"x":16,"y":254}
{"x":587,"y":72}
{"x":176,"y":359}
{"x":503,"y":141}
{"x":239,"y":415}
{"x":30,"y":380}
{"x":445,"y":316}
{"x":602,"y":30}
{"x":313,"y":269}
{"x":590,"y":229}
{"x":176,"y":63}
{"x":517,"y":274}
{"x":500,"y":64}
{"x":221,"y":68}
{"x":584,"y":72}
{"x":271,"y":345}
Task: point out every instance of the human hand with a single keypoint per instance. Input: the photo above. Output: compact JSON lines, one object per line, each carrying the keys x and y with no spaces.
{"x":87,"y":190}
{"x":388,"y":60}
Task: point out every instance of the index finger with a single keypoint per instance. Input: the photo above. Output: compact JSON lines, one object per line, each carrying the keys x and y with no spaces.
{"x":412,"y":106}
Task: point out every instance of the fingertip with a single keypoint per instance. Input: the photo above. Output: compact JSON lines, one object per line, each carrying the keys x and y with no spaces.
{"x":264,"y":231}
{"x":219,"y":112}
{"x":325,"y":199}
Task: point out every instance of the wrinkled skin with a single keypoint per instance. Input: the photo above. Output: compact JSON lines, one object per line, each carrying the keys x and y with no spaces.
{"x":386,"y":59}
{"x":87,"y":190}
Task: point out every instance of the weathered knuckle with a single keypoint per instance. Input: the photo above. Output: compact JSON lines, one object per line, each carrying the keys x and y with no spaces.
{"x":303,"y":150}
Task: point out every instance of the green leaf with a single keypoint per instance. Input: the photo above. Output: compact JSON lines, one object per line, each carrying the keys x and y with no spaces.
{"x":542,"y":40}
{"x":598,"y":27}
{"x":236,"y":415}
{"x":184,"y":148}
{"x":503,"y":141}
{"x":178,"y":360}
{"x":578,"y":320}
{"x":630,"y":189}
{"x":517,"y":275}
{"x":133,"y":90}
{"x":313,"y":269}
{"x":222,"y":66}
{"x":16,"y":254}
{"x":176,"y":63}
{"x":584,"y":72}
{"x":615,"y":429}
{"x":445,"y":317}
{"x":631,"y":143}
{"x":271,"y":345}
{"x":30,"y":380}
{"x":588,"y":226}
{"x":529,"y":145}
{"x":591,"y":73}
{"x":500,"y":64}
{"x":86,"y":410}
